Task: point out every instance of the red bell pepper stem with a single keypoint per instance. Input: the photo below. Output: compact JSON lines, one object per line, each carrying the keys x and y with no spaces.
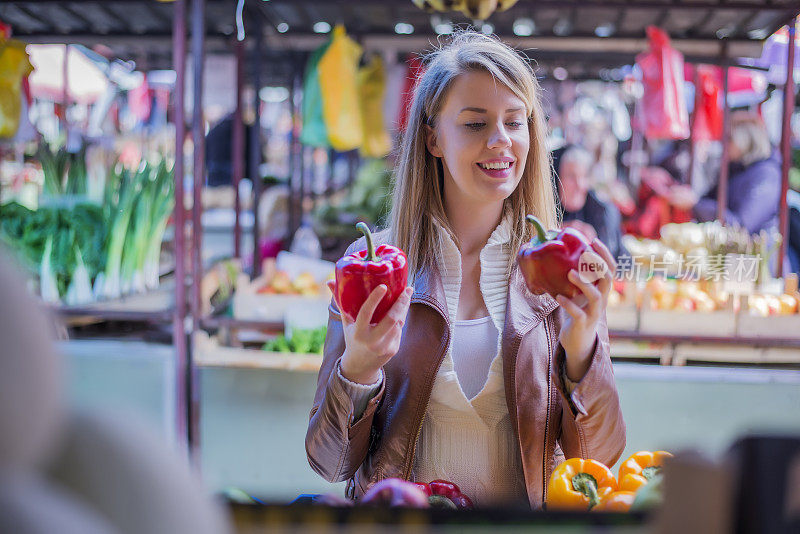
{"x":364,"y":229}
{"x":539,"y":228}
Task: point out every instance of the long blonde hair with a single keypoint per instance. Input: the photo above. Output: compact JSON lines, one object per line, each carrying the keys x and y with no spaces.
{"x":419,"y":179}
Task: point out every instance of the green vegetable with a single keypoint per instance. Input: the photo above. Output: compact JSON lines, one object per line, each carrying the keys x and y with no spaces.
{"x":303,"y":341}
{"x":649,"y":496}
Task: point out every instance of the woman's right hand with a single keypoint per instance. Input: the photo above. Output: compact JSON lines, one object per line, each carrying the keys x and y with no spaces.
{"x":369,"y":347}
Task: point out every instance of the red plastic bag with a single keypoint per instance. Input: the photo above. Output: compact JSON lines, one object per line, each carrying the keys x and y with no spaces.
{"x":415,"y":71}
{"x":663,"y":104}
{"x":708,"y":116}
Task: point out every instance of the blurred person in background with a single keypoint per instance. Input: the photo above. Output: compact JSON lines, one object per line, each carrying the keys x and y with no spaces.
{"x":580,"y":207}
{"x":754,"y":184}
{"x":70,"y":472}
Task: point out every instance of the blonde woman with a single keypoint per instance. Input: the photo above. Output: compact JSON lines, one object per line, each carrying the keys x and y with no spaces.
{"x":469,"y":378}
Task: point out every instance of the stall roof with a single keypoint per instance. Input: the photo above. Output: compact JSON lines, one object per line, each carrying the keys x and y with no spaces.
{"x":705,"y":30}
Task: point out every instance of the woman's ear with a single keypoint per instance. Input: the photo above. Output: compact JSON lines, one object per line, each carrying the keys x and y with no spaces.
{"x":432,"y":142}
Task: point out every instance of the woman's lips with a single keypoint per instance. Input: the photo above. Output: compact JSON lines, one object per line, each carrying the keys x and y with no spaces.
{"x":498,"y":173}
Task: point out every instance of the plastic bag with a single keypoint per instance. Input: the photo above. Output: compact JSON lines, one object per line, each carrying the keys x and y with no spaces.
{"x":371,"y":90}
{"x":663,"y":104}
{"x":314,"y":132}
{"x":415,"y":71}
{"x":14,"y":66}
{"x":338,"y":71}
{"x":708,"y":115}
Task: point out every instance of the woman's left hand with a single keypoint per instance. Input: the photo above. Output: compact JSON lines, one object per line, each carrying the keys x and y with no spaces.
{"x":579,"y":330}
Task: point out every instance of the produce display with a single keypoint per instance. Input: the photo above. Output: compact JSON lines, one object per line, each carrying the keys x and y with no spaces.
{"x":302,"y":341}
{"x":85,"y":248}
{"x":546,"y":260}
{"x":698,"y":250}
{"x":358,"y":274}
{"x":445,"y":494}
{"x":586,"y":484}
{"x":282,"y":283}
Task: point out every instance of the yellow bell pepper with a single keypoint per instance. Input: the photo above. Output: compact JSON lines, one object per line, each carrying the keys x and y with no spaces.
{"x":579,"y":484}
{"x":619,"y":501}
{"x":637,"y":470}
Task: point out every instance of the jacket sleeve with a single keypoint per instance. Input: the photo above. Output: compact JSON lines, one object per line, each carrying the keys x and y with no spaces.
{"x":591,"y":424}
{"x":337,"y":439}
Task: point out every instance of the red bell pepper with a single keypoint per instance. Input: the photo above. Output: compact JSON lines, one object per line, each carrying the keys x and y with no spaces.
{"x":358,"y":274}
{"x":444,"y":488}
{"x":548,"y":258}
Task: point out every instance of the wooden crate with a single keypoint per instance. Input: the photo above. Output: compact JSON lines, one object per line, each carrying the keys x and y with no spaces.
{"x":771,"y":327}
{"x":209,"y":353}
{"x":683,"y":323}
{"x":624,"y":317}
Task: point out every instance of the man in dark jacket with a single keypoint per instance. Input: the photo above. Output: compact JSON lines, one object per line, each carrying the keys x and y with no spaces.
{"x":579,"y":206}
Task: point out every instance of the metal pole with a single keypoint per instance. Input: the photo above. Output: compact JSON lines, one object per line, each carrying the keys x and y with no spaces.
{"x":179,"y":317}
{"x":198,"y":172}
{"x":255,"y":143}
{"x":693,"y":130}
{"x":65,"y":91}
{"x":295,"y":149}
{"x":722,"y":186}
{"x":786,"y":145}
{"x":237,"y":151}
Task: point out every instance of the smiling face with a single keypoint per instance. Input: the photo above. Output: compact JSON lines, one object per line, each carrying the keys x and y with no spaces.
{"x":481,"y":135}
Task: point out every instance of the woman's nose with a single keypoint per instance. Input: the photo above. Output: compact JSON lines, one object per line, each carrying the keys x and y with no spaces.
{"x":499,"y":138}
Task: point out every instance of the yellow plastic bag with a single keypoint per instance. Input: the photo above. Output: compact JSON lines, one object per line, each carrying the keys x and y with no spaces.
{"x":14,"y":66}
{"x":338,"y":71}
{"x":371,"y":90}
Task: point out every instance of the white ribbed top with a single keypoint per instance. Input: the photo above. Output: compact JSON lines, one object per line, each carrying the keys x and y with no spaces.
{"x":472,"y":443}
{"x":474,"y":348}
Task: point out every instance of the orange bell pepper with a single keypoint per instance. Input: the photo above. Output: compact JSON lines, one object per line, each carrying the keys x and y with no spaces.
{"x":637,"y":470}
{"x":579,"y":484}
{"x":619,"y":501}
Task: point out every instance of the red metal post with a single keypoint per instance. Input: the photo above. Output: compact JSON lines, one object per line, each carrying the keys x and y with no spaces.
{"x":198,"y":172}
{"x":179,"y":315}
{"x":237,"y":150}
{"x":786,"y":144}
{"x":722,"y":185}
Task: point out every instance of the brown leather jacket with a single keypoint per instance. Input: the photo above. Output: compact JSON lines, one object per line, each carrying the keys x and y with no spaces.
{"x":382,"y":442}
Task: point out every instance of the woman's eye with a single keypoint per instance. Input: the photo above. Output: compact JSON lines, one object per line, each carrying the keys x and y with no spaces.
{"x":514,"y":124}
{"x":474,"y":125}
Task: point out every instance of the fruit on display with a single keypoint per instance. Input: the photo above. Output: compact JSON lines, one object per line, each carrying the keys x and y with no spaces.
{"x":304,"y":284}
{"x":445,"y":494}
{"x":685,"y":295}
{"x":700,"y":248}
{"x":546,"y":260}
{"x":358,"y":274}
{"x":640,"y":468}
{"x":579,"y":484}
{"x":765,"y":305}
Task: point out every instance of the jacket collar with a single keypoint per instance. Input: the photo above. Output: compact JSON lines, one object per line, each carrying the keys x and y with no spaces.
{"x":523,"y":308}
